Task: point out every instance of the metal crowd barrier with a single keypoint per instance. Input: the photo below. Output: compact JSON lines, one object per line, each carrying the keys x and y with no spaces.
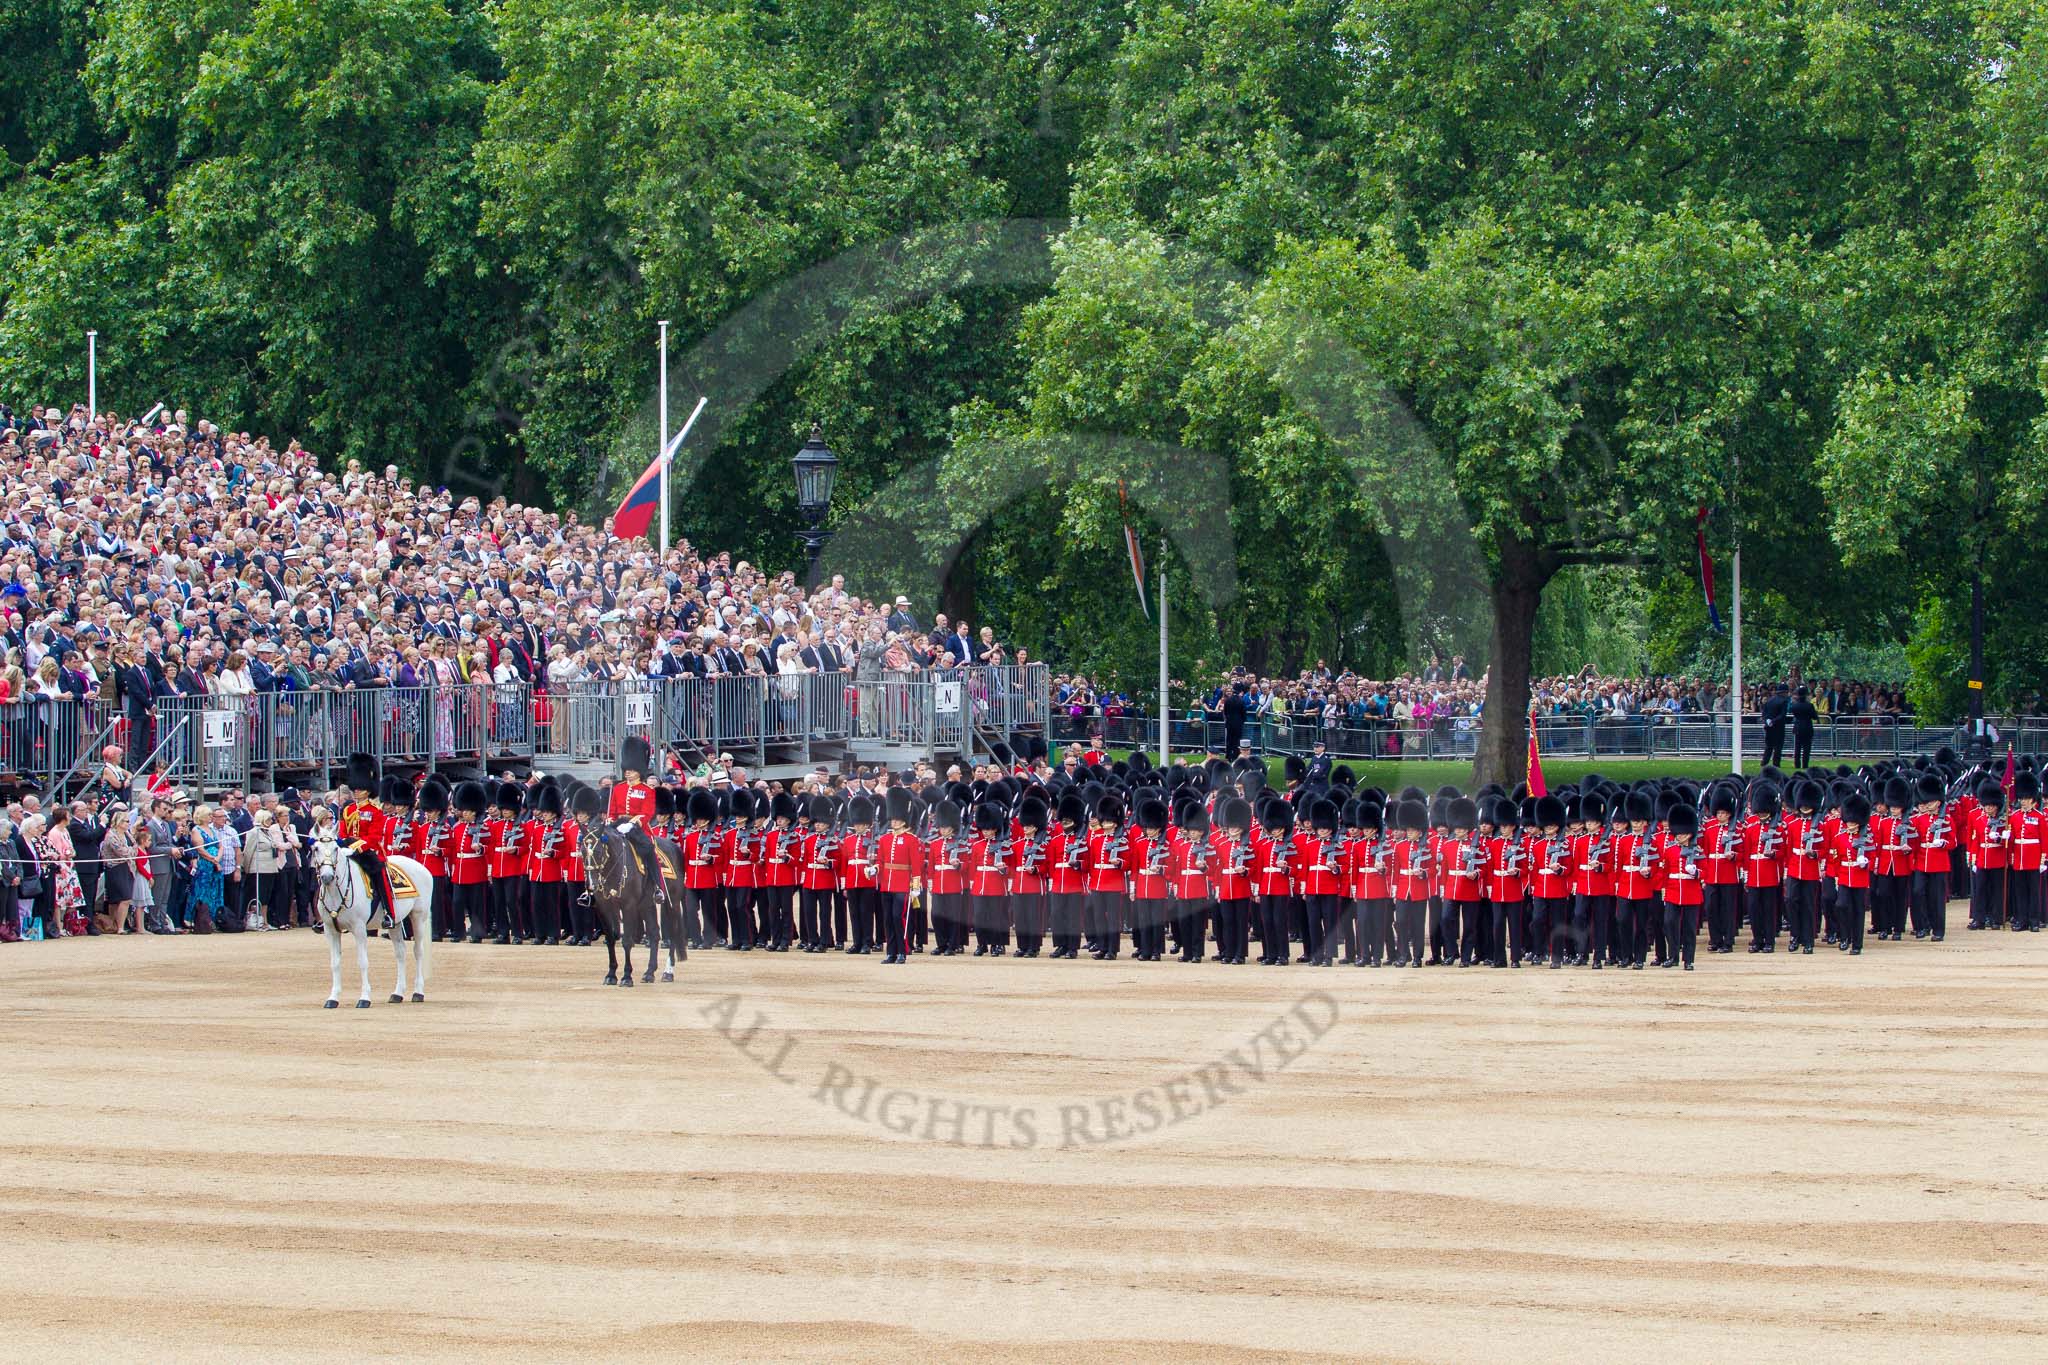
{"x":45,"y":739}
{"x":1705,"y":738}
{"x":305,"y":737}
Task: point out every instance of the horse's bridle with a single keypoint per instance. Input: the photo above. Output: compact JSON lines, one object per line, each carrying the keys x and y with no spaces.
{"x":330,"y":884}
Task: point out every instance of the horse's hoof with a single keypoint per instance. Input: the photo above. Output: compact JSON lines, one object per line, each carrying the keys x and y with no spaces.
{"x":419,"y":998}
{"x":331,"y":1005}
{"x":611,"y":978}
{"x":362,"y":1004}
{"x":668,"y":976}
{"x":397,"y":999}
{"x":627,"y":980}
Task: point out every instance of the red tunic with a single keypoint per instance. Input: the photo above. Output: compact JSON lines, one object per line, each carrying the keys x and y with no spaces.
{"x":1679,"y":886}
{"x":943,"y":856}
{"x":899,"y":858}
{"x":814,"y":852}
{"x":778,"y":857}
{"x":1550,"y":862}
{"x":1720,"y":845}
{"x":1465,"y":871}
{"x":2029,"y":840}
{"x":1805,"y":841}
{"x":1845,"y":864}
{"x":1504,"y":887}
{"x":1148,"y":862}
{"x":1986,"y":851}
{"x":630,"y":798}
{"x":1318,"y":869}
{"x":1365,"y":871}
{"x":1190,"y":867}
{"x":1411,"y":870}
{"x":1226,"y":851}
{"x":700,"y":858}
{"x":1105,"y":863}
{"x":471,"y":847}
{"x":1761,"y":869}
{"x":545,"y":862}
{"x":1062,"y":854}
{"x":988,"y":867}
{"x":1632,"y":851}
{"x":507,"y":856}
{"x":1929,"y":853}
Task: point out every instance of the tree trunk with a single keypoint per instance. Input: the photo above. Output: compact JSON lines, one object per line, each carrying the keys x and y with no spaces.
{"x":1517,"y":591}
{"x":956,"y":585}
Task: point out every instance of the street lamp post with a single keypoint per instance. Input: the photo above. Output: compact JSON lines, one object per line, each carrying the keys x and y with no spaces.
{"x":816,"y":469}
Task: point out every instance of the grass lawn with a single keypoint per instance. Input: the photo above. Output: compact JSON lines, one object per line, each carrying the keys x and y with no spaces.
{"x":1429,"y":774}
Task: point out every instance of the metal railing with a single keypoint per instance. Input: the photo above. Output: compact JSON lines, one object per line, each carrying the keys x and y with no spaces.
{"x":213,"y":743}
{"x":45,"y":741}
{"x":1853,"y":739}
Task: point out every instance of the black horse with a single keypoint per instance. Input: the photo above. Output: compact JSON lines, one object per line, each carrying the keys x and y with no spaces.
{"x":624,"y":884}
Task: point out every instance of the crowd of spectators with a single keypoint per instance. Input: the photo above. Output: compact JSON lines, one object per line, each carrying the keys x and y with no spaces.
{"x":167,"y":557}
{"x":1448,"y":699}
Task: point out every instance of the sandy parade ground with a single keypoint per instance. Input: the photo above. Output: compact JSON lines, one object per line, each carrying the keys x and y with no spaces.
{"x":810,"y":1158}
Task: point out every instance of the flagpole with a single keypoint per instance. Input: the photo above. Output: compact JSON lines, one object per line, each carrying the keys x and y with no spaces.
{"x":1735,"y":709}
{"x":663,"y":447}
{"x":92,"y":376}
{"x":1165,"y":700}
{"x":1735,"y":702}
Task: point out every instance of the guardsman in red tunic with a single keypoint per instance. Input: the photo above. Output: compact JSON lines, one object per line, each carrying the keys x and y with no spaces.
{"x":1592,"y":880}
{"x":544,"y":862}
{"x":1366,"y":858}
{"x":468,"y":849}
{"x":632,"y":798}
{"x":505,"y":863}
{"x":1273,"y":878}
{"x":1803,"y":847}
{"x":1148,"y":856}
{"x":1317,"y":860}
{"x":738,"y":854}
{"x":1411,"y":881}
{"x":699,"y":844}
{"x":1066,"y":856}
{"x":428,"y":844}
{"x":899,"y":867}
{"x":1849,"y":862}
{"x":988,"y":879}
{"x":1464,"y":880}
{"x":779,"y":852}
{"x":1763,"y":853}
{"x":1507,"y":885}
{"x":945,"y":877}
{"x":1988,"y":838}
{"x":575,"y":890}
{"x":857,"y":872}
{"x":1108,"y":882}
{"x":1192,"y":889}
{"x":1720,"y":862}
{"x":1549,"y":881}
{"x":1230,"y":871}
{"x":1635,"y":878}
{"x":1891,"y":871}
{"x":1678,"y":879}
{"x":2029,"y":851}
{"x":1028,"y":877}
{"x":1933,"y":836}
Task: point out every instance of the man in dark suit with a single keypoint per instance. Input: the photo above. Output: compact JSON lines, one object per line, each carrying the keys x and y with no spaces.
{"x":1774,"y":712}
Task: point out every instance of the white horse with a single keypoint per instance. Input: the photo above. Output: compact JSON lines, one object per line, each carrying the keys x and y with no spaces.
{"x":344,"y":903}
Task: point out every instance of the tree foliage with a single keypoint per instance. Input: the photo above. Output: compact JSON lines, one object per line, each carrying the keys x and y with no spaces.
{"x":1412,"y":327}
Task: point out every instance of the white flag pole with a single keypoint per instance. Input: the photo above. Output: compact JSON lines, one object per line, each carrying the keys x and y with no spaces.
{"x":663,"y":324}
{"x":92,"y":376}
{"x":1165,"y":700}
